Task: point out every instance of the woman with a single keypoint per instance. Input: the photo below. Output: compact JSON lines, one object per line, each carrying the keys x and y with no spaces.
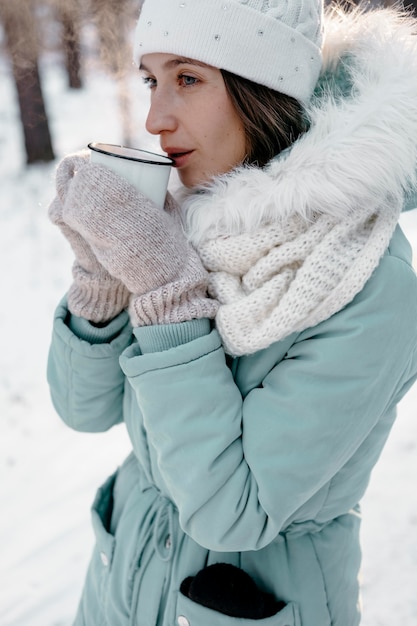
{"x":256,"y":337}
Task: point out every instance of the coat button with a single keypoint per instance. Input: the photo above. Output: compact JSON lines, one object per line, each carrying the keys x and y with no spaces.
{"x":104,"y":559}
{"x":183,"y":621}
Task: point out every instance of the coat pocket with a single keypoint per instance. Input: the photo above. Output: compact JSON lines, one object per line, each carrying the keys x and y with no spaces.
{"x":101,"y":512}
{"x":190,"y":613}
{"x":92,"y":608}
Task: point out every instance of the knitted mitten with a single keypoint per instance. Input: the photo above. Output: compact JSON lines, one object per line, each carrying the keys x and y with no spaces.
{"x":229,"y":590}
{"x":94,"y":293}
{"x":141,"y":245}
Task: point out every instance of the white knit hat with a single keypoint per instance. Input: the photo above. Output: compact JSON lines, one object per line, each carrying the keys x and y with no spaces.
{"x":272,"y":42}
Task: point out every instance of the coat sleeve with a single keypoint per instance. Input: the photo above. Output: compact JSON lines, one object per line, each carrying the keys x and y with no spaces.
{"x":238,"y":468}
{"x":85,"y":379}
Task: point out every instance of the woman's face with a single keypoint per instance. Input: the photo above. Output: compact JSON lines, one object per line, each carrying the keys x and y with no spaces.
{"x":194,"y":116}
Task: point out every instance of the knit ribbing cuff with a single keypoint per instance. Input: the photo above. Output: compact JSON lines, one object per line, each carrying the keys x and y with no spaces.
{"x":83,"y":329}
{"x":97,"y":300}
{"x":165,"y":336}
{"x":172,"y":304}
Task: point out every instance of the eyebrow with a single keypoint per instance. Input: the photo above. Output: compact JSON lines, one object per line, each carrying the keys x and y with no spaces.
{"x":175,"y":62}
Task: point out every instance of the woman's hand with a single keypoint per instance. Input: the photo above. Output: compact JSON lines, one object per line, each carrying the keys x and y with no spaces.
{"x":139,"y":244}
{"x":94,"y":294}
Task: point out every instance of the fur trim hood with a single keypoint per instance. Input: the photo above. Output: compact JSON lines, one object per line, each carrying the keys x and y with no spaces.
{"x":360,"y":151}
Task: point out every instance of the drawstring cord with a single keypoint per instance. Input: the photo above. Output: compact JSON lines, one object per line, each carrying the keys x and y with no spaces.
{"x":157,"y":527}
{"x":157,"y":532}
{"x":164,"y":530}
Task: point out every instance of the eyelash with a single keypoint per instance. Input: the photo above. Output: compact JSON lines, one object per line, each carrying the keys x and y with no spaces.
{"x":148,"y":81}
{"x":151,"y":82}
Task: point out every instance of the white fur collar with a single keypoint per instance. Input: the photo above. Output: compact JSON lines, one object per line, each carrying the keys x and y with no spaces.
{"x":360,"y":151}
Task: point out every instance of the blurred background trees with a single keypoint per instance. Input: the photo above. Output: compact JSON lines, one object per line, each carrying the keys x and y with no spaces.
{"x":69,"y":15}
{"x":75,"y":30}
{"x":22,"y":45}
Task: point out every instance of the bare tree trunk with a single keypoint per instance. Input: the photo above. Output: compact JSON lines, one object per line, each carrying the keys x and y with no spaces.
{"x":125,"y":107}
{"x":112,"y":19}
{"x":69,"y":15}
{"x":21,"y":39}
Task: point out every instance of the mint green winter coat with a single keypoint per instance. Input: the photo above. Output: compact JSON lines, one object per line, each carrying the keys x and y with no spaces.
{"x":261,"y":460}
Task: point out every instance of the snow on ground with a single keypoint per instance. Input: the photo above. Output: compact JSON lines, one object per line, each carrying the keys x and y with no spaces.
{"x":48,"y":474}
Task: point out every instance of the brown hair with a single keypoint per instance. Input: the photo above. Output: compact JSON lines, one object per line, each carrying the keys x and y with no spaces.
{"x":272,"y":120}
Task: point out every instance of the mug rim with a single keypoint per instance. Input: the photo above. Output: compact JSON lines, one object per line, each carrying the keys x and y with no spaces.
{"x":166,"y":160}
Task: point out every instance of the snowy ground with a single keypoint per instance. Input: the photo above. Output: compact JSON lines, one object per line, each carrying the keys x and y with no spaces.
{"x":48,"y":474}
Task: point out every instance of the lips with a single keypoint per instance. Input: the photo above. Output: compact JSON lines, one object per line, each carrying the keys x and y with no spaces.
{"x":179,"y":155}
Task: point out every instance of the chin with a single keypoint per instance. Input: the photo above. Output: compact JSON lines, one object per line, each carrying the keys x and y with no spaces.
{"x":191,"y":181}
{"x":196,"y":180}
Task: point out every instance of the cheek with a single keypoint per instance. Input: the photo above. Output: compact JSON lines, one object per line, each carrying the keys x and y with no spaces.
{"x":240,"y":143}
{"x":234,"y":142}
{"x":227,"y":137}
{"x":235,"y":132}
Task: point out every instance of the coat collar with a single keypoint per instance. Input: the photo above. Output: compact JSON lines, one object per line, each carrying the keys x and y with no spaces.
{"x":360,"y":150}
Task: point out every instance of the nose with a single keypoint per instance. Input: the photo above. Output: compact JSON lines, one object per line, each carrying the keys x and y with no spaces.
{"x":161,"y":115}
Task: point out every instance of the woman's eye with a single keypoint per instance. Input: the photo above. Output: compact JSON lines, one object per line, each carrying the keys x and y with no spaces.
{"x":149,"y":81}
{"x":187,"y":81}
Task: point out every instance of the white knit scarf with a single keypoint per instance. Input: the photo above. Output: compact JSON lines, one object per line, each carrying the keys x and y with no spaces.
{"x":288,"y":246}
{"x":282,"y":279}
